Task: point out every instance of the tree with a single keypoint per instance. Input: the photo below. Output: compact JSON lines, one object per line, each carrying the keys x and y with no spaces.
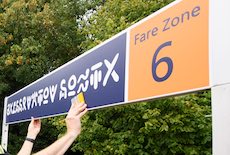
{"x":176,"y":125}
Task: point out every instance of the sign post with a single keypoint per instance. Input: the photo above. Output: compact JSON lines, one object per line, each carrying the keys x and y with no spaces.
{"x":220,"y":75}
{"x":221,"y":119}
{"x":5,"y":127}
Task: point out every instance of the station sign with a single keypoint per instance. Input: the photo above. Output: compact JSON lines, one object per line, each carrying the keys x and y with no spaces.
{"x":99,"y":74}
{"x":164,"y":54}
{"x":169,"y":51}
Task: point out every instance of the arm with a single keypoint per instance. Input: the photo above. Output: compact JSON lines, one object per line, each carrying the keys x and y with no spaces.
{"x":73,"y":124}
{"x":33,"y":130}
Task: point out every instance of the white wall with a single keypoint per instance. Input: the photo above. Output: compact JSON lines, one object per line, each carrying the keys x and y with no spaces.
{"x":221,"y":119}
{"x":219,"y":43}
{"x":219,"y":46}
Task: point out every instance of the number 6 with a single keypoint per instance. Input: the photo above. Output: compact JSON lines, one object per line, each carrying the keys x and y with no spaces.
{"x":164,"y":59}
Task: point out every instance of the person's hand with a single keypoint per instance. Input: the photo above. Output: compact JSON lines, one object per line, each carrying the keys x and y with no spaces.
{"x":34,"y":128}
{"x":73,"y":119}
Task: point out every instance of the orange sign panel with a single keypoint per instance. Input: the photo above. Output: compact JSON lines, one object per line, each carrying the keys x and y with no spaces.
{"x":169,"y":51}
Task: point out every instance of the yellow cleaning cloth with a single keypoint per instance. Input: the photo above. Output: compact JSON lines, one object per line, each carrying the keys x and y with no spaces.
{"x":80,"y":98}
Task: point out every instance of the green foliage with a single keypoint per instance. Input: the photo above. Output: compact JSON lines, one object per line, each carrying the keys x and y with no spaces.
{"x":18,"y":133}
{"x":115,"y":16}
{"x":175,"y":125}
{"x":37,"y":36}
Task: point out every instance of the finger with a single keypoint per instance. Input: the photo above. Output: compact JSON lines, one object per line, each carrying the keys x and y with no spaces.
{"x":73,"y":99}
{"x":83,"y":113}
{"x":37,"y":121}
{"x":78,"y":106}
{"x":73,"y":106}
{"x":78,"y":109}
{"x":82,"y":108}
{"x":74,"y":102}
{"x":32,"y":120}
{"x":74,"y":110}
{"x":77,"y":103}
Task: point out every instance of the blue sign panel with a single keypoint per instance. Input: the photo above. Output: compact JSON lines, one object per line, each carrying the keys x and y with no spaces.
{"x":99,"y":74}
